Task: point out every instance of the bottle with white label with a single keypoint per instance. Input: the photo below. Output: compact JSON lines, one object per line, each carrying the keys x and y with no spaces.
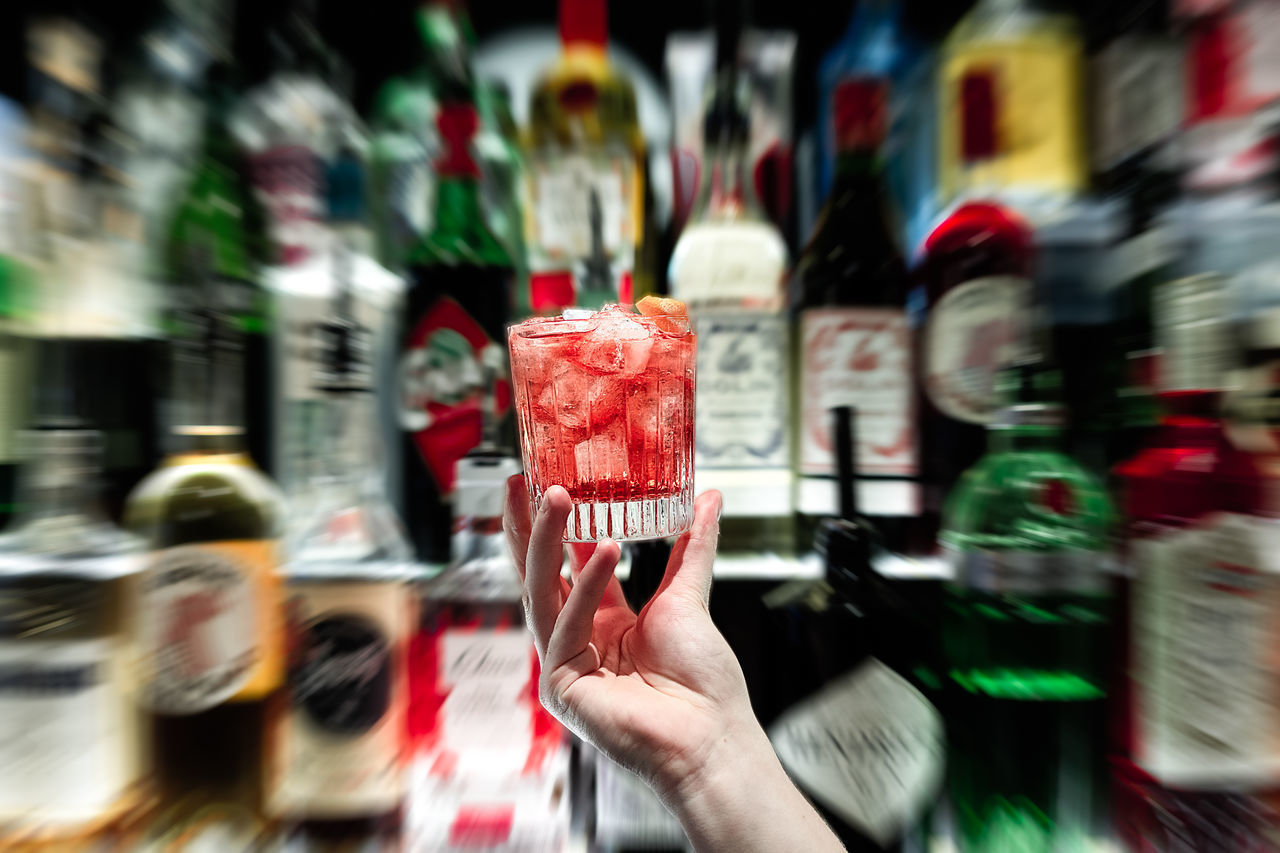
{"x":586,"y":166}
{"x":975,"y":276}
{"x":338,"y":751}
{"x":71,"y":758}
{"x":854,"y":346}
{"x":728,"y":267}
{"x":208,"y":602}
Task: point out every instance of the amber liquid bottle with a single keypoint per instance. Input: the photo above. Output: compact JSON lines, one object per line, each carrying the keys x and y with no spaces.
{"x":209,"y":600}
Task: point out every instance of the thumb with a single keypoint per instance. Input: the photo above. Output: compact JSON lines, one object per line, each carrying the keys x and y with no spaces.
{"x":689,"y":568}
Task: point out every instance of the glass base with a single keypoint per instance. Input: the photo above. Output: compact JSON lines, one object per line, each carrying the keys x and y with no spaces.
{"x":646,"y":518}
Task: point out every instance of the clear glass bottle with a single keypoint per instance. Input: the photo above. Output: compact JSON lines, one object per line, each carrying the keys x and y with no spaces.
{"x":729,"y":266}
{"x":339,"y":751}
{"x":209,"y":602}
{"x":71,"y":759}
{"x":854,"y":345}
{"x":1026,"y":633}
{"x":587,"y":169}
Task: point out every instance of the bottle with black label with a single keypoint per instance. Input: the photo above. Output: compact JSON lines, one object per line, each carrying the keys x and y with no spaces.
{"x":209,"y":608}
{"x":338,"y":751}
{"x":70,"y":759}
{"x":454,"y":353}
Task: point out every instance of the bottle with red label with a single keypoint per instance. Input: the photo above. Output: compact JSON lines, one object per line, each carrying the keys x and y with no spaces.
{"x":453,"y":358}
{"x":854,"y":344}
{"x":1197,"y":760}
{"x":975,"y":277}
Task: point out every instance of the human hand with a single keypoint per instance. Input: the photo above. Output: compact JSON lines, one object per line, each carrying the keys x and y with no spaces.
{"x":657,"y":691}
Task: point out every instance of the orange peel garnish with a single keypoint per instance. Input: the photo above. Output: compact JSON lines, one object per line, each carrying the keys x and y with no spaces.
{"x":670,"y":315}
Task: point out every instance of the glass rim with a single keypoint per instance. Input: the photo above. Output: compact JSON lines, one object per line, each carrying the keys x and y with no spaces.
{"x":534,"y":328}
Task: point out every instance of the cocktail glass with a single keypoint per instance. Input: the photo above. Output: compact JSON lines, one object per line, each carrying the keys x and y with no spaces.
{"x":604,"y":404}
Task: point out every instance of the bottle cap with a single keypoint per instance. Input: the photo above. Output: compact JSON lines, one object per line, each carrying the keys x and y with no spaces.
{"x":861,"y":112}
{"x":584,"y":22}
{"x":1191,"y":332}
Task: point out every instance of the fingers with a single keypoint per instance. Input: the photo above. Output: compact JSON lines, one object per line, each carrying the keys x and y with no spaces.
{"x":515,"y":520}
{"x":543,"y":586}
{"x":579,"y":554}
{"x":573,"y":628}
{"x":689,"y":567}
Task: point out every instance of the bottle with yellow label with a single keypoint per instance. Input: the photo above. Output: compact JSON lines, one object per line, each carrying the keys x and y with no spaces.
{"x":1010,"y":86}
{"x":586,"y":166}
{"x":209,"y":600}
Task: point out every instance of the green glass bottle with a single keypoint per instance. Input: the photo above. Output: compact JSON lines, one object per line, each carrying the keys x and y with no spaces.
{"x":1025,"y":629}
{"x":219,"y":214}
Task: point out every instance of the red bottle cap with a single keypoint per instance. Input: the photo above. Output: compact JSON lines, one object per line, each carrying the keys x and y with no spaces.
{"x":979,"y":110}
{"x":860,"y":108}
{"x":550,"y":292}
{"x":457,"y":123}
{"x":584,"y":22}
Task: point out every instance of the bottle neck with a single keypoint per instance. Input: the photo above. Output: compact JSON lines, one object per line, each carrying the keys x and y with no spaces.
{"x":60,"y":485}
{"x":725,"y":191}
{"x":1024,"y":439}
{"x":458,"y":208}
{"x":858,"y":165}
{"x":348,"y":452}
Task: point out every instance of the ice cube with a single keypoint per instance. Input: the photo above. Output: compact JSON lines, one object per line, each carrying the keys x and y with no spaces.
{"x":617,"y":344}
{"x":578,"y":400}
{"x":602,"y":458}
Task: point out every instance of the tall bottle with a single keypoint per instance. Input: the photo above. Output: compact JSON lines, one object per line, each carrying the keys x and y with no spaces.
{"x":452,"y":358}
{"x":292,"y":126}
{"x":854,"y":347}
{"x":71,"y":763}
{"x":1019,"y":71}
{"x":209,"y":602}
{"x":219,"y":217}
{"x":338,"y":752}
{"x":728,"y":267}
{"x":587,"y":167}
{"x":975,"y":277}
{"x":1026,"y":633}
{"x":1199,"y":735}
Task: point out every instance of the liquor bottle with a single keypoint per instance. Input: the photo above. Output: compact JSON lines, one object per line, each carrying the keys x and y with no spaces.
{"x":482,"y":743}
{"x":974,"y":274}
{"x":93,"y":303}
{"x":20,"y":266}
{"x":209,"y":601}
{"x":586,"y":163}
{"x":292,"y":126}
{"x":453,"y":355}
{"x":868,"y":724}
{"x":1025,"y":633}
{"x":1197,"y":744}
{"x":854,"y":346}
{"x":303,"y":294}
{"x":502,"y":164}
{"x":338,"y":753}
{"x":72,"y":763}
{"x":1010,"y":85}
{"x":219,"y":214}
{"x":728,"y":267}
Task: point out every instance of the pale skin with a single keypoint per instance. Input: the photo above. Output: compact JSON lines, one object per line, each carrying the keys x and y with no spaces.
{"x":659,"y":691}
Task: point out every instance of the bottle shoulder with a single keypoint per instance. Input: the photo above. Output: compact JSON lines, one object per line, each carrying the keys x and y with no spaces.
{"x":202,"y":499}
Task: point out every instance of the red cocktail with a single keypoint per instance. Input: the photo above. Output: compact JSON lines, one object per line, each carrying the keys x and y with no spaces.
{"x":604,"y":405}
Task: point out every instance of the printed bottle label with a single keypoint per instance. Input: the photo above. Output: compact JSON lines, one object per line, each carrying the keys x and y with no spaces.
{"x":340,"y":747}
{"x":289,"y":182}
{"x":1208,"y":679}
{"x":868,"y":746}
{"x":484,"y":675}
{"x":210,"y":626}
{"x":859,"y":357}
{"x":444,"y":379}
{"x":585,"y":205}
{"x":741,"y":411}
{"x":68,"y":744}
{"x":973,"y":331}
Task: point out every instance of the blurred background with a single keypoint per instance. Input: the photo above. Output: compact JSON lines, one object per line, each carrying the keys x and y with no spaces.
{"x":988,"y":307}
